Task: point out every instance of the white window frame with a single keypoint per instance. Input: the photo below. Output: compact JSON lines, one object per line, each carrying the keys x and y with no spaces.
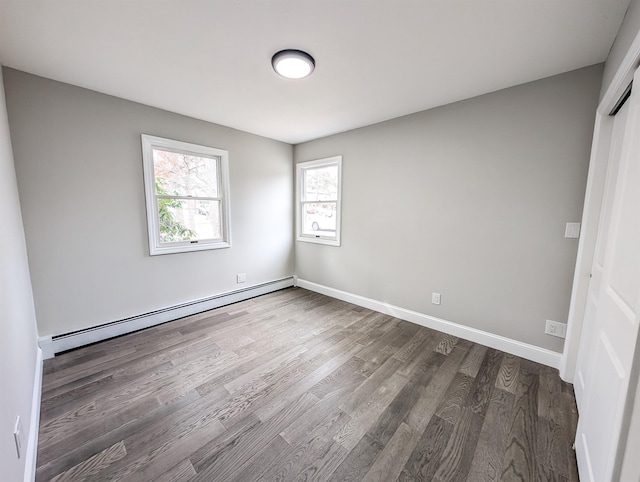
{"x":222,"y":160}
{"x":318,"y":238}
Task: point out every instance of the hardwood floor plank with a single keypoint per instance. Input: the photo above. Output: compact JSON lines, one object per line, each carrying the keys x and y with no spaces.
{"x":155,"y":381}
{"x":545,"y":474}
{"x":393,"y":416}
{"x":88,"y":428}
{"x":465,"y":345}
{"x":455,"y":398}
{"x":520,"y":458}
{"x":219,"y":447}
{"x":555,"y":441}
{"x":484,"y":382}
{"x":446,"y":344}
{"x":314,"y":456}
{"x":552,"y":439}
{"x":351,"y":401}
{"x":295,"y":385}
{"x":161,"y":457}
{"x":550,"y":386}
{"x":77,"y":357}
{"x":235,"y":449}
{"x":245,"y":362}
{"x":139,"y":361}
{"x":457,"y":456}
{"x":113,"y":384}
{"x":319,"y":455}
{"x":206,"y":323}
{"x":93,"y":465}
{"x":473,"y":360}
{"x":60,"y":394}
{"x":419,"y":416}
{"x":263,"y":391}
{"x":424,"y":460}
{"x":406,"y":353}
{"x":181,"y":472}
{"x":287,"y":359}
{"x":487,"y":460}
{"x":392,"y":459}
{"x":52,"y":430}
{"x":337,"y":373}
{"x":508,"y":375}
{"x":322,"y":413}
{"x":424,"y":355}
{"x":389,"y":343}
{"x":365,"y":415}
{"x":150,"y":351}
{"x":321,"y":463}
{"x":159,"y":461}
{"x":344,"y":379}
{"x":382,"y":324}
{"x":74,"y":449}
{"x":252,"y":470}
{"x":70,"y":371}
{"x":569,"y":405}
{"x":356,"y":464}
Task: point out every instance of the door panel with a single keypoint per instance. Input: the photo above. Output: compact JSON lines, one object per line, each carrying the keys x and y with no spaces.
{"x":587,"y":344}
{"x":611,"y":319}
{"x":609,"y":377}
{"x":625,"y":258}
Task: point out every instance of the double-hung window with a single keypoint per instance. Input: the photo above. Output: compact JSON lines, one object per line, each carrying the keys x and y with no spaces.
{"x":187,"y":196}
{"x":318,"y":201}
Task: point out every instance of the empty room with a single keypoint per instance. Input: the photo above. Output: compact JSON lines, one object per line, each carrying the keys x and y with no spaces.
{"x":319,"y":240}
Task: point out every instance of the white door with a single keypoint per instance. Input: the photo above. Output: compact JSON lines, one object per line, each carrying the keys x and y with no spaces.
{"x":585,"y":358}
{"x":612,"y":316}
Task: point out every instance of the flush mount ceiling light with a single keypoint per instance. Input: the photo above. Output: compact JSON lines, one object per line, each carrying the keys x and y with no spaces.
{"x":293,"y":64}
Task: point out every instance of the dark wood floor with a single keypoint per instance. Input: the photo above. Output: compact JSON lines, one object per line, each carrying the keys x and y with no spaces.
{"x":298,"y":386}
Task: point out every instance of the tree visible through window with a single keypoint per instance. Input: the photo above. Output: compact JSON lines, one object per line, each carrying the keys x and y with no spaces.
{"x":187,"y":196}
{"x":171,"y":229}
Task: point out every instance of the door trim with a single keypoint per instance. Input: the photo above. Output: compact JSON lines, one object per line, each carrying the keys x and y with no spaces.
{"x":598,"y":161}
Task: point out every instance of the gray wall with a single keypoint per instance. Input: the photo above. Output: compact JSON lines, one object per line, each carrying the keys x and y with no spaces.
{"x":18,"y":338}
{"x":79,"y":170}
{"x":626,"y":35}
{"x":469,"y":200}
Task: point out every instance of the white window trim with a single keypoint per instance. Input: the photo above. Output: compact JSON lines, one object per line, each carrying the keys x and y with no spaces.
{"x":318,"y":238}
{"x":157,"y":248}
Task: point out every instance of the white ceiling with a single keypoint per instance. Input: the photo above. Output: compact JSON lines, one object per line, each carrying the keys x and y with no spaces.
{"x":375,"y":59}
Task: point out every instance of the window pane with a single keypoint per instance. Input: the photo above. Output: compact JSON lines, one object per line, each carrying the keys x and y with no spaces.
{"x":188,"y":220}
{"x":180,"y":174}
{"x":321,"y":183}
{"x":319,"y":219}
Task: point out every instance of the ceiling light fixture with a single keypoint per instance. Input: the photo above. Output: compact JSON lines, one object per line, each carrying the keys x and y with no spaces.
{"x":293,"y":64}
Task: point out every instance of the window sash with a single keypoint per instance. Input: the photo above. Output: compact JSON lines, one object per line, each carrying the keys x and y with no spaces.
{"x":195,"y":240}
{"x":171,"y":177}
{"x":218,"y":225}
{"x":187,"y":198}
{"x":320,"y":236}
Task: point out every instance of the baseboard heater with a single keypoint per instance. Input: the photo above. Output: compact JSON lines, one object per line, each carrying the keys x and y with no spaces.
{"x":67,"y":341}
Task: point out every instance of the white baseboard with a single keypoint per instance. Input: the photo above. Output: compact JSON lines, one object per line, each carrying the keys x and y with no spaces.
{"x":514,"y":347}
{"x":59,"y":343}
{"x":46,"y":345}
{"x":32,"y":444}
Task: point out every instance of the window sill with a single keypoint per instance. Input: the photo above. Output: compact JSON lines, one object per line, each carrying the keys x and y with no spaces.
{"x":186,"y":248}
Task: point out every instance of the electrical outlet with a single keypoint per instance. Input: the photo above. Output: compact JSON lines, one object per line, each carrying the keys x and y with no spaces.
{"x":17,"y":436}
{"x":435,"y":298}
{"x":555,"y":328}
{"x":242,"y":277}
